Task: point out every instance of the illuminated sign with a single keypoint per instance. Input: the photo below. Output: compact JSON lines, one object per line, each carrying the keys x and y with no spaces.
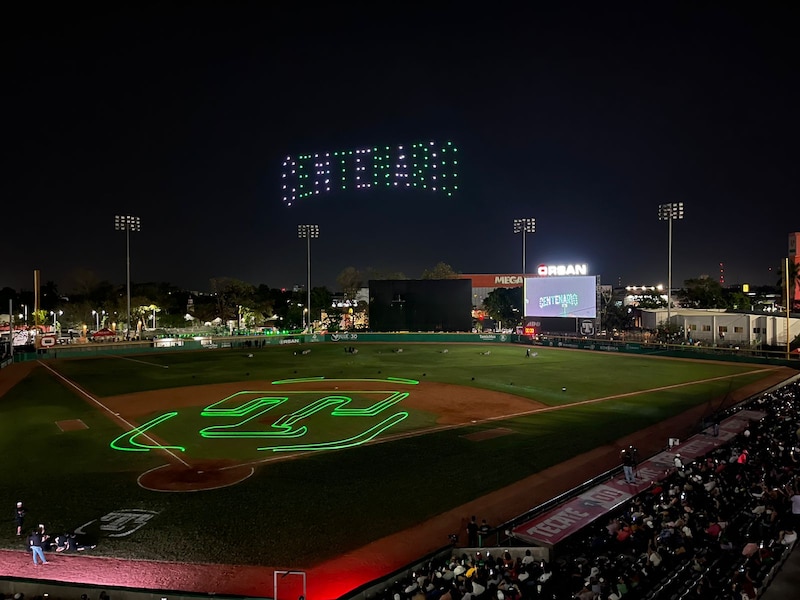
{"x":508,"y":279}
{"x":561,"y":270}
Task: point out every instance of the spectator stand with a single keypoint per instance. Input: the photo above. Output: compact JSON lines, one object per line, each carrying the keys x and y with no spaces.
{"x":708,"y":529}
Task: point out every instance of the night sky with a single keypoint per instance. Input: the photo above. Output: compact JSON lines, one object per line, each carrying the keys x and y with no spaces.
{"x":583,"y":116}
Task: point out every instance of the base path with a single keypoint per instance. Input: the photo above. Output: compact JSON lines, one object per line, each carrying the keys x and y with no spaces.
{"x":336,"y":577}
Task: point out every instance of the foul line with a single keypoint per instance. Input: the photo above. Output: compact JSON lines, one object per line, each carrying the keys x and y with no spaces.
{"x":149,"y":364}
{"x":114,"y":416}
{"x":413,"y":434}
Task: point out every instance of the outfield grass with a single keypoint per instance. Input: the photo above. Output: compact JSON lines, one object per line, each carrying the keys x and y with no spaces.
{"x":585,"y":374}
{"x":341,"y":499}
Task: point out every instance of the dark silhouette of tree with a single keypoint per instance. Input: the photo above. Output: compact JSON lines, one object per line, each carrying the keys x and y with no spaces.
{"x":321,"y":299}
{"x":231,"y":294}
{"x":702,"y":292}
{"x":440,"y":271}
{"x":378,"y":274}
{"x":504,"y":304}
{"x":617,"y":317}
{"x":738,"y":300}
{"x":350,"y":280}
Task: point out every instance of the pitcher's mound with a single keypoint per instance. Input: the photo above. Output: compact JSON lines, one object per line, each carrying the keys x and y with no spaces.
{"x":206,"y":475}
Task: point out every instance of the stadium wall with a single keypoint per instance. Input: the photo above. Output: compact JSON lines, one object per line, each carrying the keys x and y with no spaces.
{"x":254,"y":342}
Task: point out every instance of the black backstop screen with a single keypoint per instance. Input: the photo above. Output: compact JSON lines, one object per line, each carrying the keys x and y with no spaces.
{"x":420,"y":305}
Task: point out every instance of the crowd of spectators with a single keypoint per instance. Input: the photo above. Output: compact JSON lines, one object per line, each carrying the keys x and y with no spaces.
{"x":714,"y":528}
{"x":717,"y":527}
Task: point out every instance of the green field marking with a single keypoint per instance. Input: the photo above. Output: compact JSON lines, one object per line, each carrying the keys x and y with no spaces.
{"x":226,"y":431}
{"x":247,"y":407}
{"x":356,"y":440}
{"x":141,"y":430}
{"x":371,"y":411}
{"x":366,"y":379}
{"x":282,"y":428}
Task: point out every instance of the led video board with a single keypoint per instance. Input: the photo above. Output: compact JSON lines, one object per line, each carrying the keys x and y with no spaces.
{"x":571,"y":297}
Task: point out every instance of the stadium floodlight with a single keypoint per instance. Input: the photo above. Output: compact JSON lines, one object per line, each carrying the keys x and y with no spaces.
{"x":524,"y":226}
{"x":308,"y":232}
{"x":670,"y":212}
{"x":127,"y":223}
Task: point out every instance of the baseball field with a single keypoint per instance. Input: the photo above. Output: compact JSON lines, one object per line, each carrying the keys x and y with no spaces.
{"x":292,"y":455}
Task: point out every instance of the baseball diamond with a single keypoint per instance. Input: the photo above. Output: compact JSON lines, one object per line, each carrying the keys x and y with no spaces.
{"x":343,"y":466}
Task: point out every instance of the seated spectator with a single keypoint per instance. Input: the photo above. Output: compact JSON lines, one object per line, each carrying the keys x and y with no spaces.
{"x":787,"y":537}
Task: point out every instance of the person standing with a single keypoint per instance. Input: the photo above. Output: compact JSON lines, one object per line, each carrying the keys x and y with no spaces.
{"x":19,"y":517}
{"x":35,"y":543}
{"x":483,"y":532}
{"x":472,"y":533}
{"x":629,"y":461}
{"x":795,"y":501}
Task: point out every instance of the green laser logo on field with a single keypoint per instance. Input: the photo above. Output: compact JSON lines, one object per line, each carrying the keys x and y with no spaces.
{"x":284,"y":421}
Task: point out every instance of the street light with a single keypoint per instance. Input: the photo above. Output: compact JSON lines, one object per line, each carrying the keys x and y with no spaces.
{"x":524,"y":226}
{"x":670,"y":212}
{"x":308,"y":232}
{"x":96,"y":320}
{"x":127,"y":223}
{"x":55,"y":315}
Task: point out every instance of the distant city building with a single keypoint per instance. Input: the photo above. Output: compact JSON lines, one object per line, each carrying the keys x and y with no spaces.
{"x":634,"y":294}
{"x":718,"y":327}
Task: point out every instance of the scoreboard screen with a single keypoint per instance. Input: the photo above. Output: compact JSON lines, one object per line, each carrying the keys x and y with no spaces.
{"x":570,"y":297}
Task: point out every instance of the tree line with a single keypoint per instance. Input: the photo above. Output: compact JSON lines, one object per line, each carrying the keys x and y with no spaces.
{"x":91,"y":302}
{"x":97,"y":303}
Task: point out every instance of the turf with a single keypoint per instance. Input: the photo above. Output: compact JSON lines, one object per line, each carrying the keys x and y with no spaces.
{"x":340,"y":499}
{"x":506,"y":368}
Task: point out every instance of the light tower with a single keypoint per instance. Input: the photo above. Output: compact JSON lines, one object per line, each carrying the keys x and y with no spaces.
{"x":524,"y":226}
{"x":308,"y":232}
{"x":670,"y":212}
{"x":127,"y":223}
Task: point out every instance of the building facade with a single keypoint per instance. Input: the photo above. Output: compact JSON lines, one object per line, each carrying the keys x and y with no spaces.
{"x":714,"y":327}
{"x":483,"y":284}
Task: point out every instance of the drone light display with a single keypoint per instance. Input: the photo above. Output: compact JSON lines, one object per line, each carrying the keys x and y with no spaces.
{"x":425,"y":165}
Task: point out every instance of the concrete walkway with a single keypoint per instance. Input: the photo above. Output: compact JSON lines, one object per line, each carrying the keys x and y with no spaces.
{"x":786,"y":583}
